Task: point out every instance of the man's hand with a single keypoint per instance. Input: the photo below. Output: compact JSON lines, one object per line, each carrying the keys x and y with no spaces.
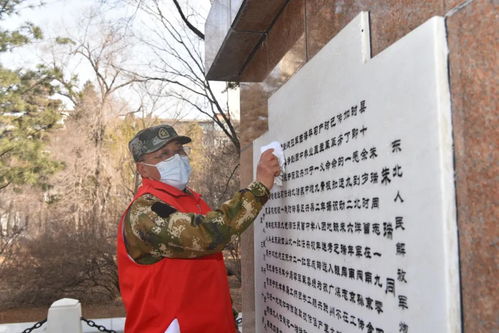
{"x":267,"y":168}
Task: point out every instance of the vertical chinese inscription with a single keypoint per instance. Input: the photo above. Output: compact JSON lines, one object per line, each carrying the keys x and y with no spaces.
{"x":312,"y":224}
{"x":355,"y":239}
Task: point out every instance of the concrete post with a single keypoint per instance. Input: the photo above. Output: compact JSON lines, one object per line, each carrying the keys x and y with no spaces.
{"x":64,"y":316}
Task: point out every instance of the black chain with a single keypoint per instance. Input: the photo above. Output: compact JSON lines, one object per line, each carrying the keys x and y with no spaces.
{"x":90,"y":323}
{"x":37,"y":325}
{"x":101,"y":328}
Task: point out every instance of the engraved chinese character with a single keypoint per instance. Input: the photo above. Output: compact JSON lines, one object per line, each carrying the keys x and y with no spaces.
{"x":400,"y":249}
{"x":403,"y":327}
{"x":398,"y":197}
{"x":385,"y":179}
{"x":399,"y":222}
{"x":403,"y":302}
{"x":396,"y":146}
{"x":401,"y":275}
{"x":362,"y":106}
{"x":387,"y":230}
{"x":397,"y":171}
{"x":390,"y":286}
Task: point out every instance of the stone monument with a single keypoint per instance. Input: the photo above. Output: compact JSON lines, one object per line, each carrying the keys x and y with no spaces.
{"x":362,"y":235}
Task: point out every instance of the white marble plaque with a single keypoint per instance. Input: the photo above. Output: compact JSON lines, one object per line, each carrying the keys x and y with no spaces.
{"x":361,"y":236}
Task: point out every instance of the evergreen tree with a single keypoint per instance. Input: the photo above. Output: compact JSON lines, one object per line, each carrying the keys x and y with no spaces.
{"x":28,"y":110}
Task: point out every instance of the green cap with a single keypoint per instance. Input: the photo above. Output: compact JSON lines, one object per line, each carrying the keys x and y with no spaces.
{"x":153,"y":138}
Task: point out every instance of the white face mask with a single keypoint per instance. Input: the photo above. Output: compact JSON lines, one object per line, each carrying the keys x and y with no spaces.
{"x":174,"y":171}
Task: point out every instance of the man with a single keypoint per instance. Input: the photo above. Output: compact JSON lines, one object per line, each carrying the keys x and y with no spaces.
{"x":171,"y":271}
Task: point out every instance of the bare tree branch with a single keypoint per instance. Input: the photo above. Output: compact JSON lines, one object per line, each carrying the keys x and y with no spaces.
{"x":189,"y":25}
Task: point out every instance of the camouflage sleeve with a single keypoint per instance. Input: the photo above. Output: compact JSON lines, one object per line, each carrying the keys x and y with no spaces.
{"x":154,"y":230}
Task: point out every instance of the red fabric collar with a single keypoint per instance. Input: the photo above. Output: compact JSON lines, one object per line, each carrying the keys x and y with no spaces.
{"x":146,"y":182}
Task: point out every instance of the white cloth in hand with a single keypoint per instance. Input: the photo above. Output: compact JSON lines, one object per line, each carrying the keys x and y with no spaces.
{"x":279,"y":153}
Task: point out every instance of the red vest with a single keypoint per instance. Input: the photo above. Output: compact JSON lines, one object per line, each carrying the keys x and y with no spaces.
{"x":194,"y":291}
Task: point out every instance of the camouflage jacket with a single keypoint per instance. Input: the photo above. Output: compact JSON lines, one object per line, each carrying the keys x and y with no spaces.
{"x":154,"y":229}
